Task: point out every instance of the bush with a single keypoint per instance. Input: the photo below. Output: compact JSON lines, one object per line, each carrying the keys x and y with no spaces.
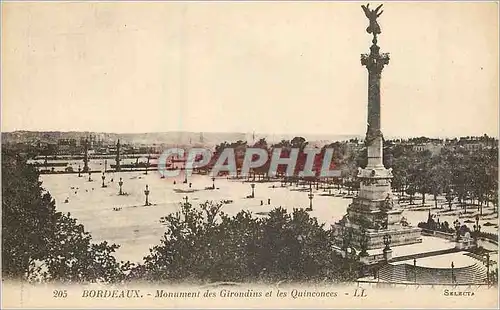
{"x":207,"y":245}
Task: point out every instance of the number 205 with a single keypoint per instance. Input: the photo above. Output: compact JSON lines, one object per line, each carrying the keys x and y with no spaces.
{"x":60,"y":293}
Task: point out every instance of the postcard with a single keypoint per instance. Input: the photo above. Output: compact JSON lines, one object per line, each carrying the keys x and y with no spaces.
{"x":249,"y":154}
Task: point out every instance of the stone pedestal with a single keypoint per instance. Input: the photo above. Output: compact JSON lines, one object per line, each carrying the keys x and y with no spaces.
{"x":400,"y":235}
{"x":387,"y":254}
{"x":374,"y":214}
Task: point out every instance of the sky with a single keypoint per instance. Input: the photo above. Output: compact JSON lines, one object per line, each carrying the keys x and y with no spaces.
{"x":247,"y":66}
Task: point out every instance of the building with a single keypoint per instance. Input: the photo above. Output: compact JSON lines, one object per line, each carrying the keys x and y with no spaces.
{"x":433,"y":148}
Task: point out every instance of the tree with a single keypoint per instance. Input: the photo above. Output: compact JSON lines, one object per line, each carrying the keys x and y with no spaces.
{"x":449,"y":197}
{"x":41,"y":244}
{"x":264,"y":169}
{"x":282,"y":144}
{"x":262,"y":143}
{"x":298,"y":142}
{"x":495,"y":203}
{"x":212,"y":246}
{"x":400,"y":172}
{"x":439,"y":176}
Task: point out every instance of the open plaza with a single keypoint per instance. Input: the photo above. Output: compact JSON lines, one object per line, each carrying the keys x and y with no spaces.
{"x":127,"y":221}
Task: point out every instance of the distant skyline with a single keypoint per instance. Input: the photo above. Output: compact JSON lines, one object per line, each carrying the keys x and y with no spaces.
{"x":257,"y":134}
{"x":273,"y":68}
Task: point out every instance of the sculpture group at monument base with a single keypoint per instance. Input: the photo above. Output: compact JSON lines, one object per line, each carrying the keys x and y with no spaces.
{"x":374,"y":239}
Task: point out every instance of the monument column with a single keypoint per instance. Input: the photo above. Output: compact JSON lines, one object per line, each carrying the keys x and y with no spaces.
{"x":374,"y":63}
{"x":118,"y":166}
{"x":86,"y":156}
{"x":373,"y":217}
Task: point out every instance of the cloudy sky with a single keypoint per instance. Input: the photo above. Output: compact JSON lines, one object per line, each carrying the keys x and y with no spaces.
{"x":263,"y":67}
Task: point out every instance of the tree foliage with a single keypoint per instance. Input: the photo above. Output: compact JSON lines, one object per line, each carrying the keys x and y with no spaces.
{"x":456,"y":173}
{"x":205,"y":244}
{"x":41,"y":244}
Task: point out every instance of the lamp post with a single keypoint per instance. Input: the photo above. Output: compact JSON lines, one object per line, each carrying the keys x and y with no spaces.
{"x":488,"y":268}
{"x":146,"y":192}
{"x":310,"y":195}
{"x":105,"y":165}
{"x":120,"y":184}
{"x":387,"y":241}
{"x":457,"y":229}
{"x":213,"y":182}
{"x":477,"y":229}
{"x":79,"y":171}
{"x":376,"y":270}
{"x":387,"y":250}
{"x":103,"y":177}
{"x":452,"y":273}
{"x":415,"y":269}
{"x":253,"y":190}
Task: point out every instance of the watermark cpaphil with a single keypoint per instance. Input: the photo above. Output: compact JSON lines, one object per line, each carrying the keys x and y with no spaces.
{"x":308,"y":162}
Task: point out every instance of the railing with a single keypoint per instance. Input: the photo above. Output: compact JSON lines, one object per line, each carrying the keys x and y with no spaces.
{"x":373,"y":258}
{"x":473,"y":274}
{"x":381,"y":282}
{"x":440,"y":234}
